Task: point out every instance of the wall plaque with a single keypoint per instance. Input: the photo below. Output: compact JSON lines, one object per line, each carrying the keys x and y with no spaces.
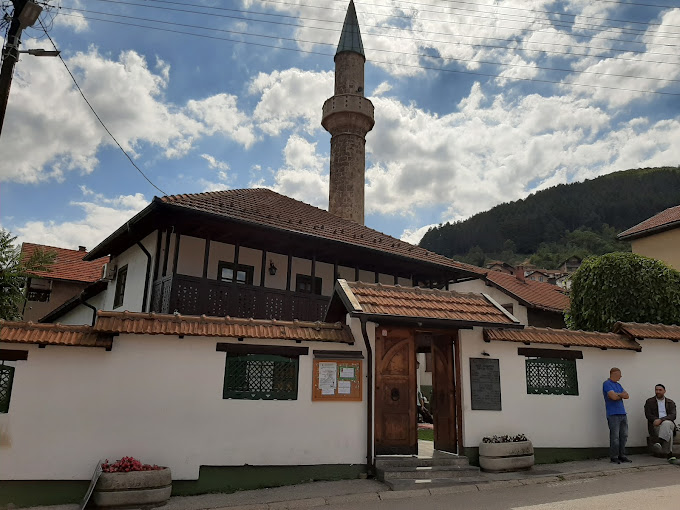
{"x":485,"y":384}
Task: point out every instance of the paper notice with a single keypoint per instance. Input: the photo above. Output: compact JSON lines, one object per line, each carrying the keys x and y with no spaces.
{"x":347,"y":373}
{"x":328,"y":377}
{"x":344,"y":387}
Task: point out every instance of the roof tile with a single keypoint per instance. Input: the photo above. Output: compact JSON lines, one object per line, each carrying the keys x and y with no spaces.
{"x":536,"y":294}
{"x":659,"y":221}
{"x":188,"y":325}
{"x":647,"y":330}
{"x":51,"y":334}
{"x":563,"y":337}
{"x":394,"y":300}
{"x":68,"y":264}
{"x":265,"y":207}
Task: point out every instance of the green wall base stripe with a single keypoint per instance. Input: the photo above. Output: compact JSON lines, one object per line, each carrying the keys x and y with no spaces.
{"x":558,"y":455}
{"x":212,"y":479}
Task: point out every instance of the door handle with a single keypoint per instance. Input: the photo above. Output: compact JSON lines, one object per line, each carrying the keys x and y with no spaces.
{"x":395,"y":394}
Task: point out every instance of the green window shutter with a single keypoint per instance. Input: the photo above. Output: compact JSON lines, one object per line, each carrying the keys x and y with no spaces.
{"x":6,"y":378}
{"x":260,"y":377}
{"x":546,"y":376}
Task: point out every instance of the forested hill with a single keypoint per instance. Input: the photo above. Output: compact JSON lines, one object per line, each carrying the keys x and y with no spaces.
{"x":580,"y":218}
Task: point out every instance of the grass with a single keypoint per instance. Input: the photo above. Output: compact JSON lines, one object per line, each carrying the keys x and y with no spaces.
{"x":426,"y":434}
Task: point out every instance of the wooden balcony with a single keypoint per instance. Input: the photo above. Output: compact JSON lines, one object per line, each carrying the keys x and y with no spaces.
{"x":189,"y":295}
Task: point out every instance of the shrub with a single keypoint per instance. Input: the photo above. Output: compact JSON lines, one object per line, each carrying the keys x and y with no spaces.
{"x":505,"y":439}
{"x":623,"y":287}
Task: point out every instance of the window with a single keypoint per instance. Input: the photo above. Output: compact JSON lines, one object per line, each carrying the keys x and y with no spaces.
{"x":228,"y":272}
{"x":260,"y":377}
{"x":509,"y":307}
{"x":428,"y":362}
{"x":6,"y":378}
{"x":307,"y":285}
{"x":121,"y":277}
{"x":547,"y":376}
{"x":41,"y":295}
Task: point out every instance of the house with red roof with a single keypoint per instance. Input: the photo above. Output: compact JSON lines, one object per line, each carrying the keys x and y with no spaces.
{"x":657,"y":237}
{"x":65,"y":279}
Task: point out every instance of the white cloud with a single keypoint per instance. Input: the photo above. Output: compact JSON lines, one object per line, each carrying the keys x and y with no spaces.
{"x":73,"y":19}
{"x":99,"y":216}
{"x":304,"y":175}
{"x":382,"y":89}
{"x":49,"y":130}
{"x":290,"y":96}
{"x":414,"y":235}
{"x":221,"y":168}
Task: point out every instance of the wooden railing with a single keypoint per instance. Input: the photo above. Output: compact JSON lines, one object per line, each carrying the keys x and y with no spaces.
{"x":189,"y":295}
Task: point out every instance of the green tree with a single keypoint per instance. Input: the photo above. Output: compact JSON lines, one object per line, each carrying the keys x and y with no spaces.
{"x":13,"y":273}
{"x":623,"y":287}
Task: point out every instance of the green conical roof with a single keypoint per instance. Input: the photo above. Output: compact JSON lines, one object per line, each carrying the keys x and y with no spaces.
{"x":350,"y":39}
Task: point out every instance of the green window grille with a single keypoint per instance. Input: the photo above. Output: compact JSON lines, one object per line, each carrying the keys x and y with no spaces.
{"x":6,"y":378}
{"x":547,"y":376}
{"x":261,"y":377}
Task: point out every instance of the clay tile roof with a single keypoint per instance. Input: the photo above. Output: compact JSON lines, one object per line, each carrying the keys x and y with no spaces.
{"x":68,"y":264}
{"x":51,"y":334}
{"x":663,"y":221}
{"x":646,"y":330}
{"x":189,"y":325}
{"x":265,"y":207}
{"x":531,"y":293}
{"x":417,"y":303}
{"x":563,"y":337}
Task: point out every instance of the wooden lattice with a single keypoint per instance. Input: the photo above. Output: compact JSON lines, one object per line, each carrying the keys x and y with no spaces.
{"x":261,"y":377}
{"x":6,"y":378}
{"x":551,"y":376}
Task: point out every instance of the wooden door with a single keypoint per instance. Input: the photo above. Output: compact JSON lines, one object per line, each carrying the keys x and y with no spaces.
{"x":395,"y":392}
{"x":443,"y":395}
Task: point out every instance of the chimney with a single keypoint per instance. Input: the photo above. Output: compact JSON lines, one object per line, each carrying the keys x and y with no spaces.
{"x":519,"y":273}
{"x":82,"y":248}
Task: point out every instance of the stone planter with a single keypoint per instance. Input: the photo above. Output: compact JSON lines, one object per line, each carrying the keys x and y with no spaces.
{"x":500,"y":457}
{"x":133,"y":489}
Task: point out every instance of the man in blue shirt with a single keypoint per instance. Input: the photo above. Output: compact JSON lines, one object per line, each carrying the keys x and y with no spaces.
{"x":614,"y":395}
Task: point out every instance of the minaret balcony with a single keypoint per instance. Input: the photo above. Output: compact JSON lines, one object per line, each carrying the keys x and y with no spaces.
{"x":361,"y":108}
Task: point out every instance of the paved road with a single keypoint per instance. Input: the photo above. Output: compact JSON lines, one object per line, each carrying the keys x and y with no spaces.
{"x":657,"y":490}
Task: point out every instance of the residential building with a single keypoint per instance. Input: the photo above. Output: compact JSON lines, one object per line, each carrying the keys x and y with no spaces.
{"x":65,"y":279}
{"x":571,"y":264}
{"x":657,"y":237}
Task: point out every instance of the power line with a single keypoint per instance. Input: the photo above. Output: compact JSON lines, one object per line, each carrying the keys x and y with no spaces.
{"x":438,"y":57}
{"x":97,"y":115}
{"x":296,"y":25}
{"x":396,"y":64}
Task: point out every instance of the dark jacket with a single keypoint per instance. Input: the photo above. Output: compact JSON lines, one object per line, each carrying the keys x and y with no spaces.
{"x":652,"y":412}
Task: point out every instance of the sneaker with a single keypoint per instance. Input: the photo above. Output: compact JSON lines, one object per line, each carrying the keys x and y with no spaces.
{"x":615,"y":461}
{"x":657,"y":449}
{"x":625,"y":459}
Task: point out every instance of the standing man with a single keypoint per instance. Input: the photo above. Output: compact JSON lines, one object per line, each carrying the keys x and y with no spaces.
{"x":661,"y":413}
{"x":614,"y":395}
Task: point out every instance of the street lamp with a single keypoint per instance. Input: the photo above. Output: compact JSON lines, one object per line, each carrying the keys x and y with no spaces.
{"x":29,"y":14}
{"x":40,"y":52}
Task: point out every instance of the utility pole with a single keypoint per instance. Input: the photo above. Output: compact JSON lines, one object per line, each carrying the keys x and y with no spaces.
{"x":25,"y":14}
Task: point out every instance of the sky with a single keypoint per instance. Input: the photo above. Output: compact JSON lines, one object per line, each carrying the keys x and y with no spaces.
{"x":477,"y":102}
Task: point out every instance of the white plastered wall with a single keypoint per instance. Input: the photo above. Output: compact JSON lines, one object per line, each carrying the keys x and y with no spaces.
{"x":480,"y":287}
{"x":562,"y":421}
{"x":159,"y":398}
{"x":82,"y":314}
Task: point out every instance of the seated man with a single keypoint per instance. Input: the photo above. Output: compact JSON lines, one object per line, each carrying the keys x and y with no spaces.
{"x":661,"y":413}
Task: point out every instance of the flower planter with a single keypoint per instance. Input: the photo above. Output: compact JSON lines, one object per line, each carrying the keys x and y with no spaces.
{"x":133,"y":489}
{"x":501,"y":457}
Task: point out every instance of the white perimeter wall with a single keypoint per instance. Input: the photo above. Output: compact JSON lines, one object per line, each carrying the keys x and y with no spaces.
{"x":561,"y":421}
{"x":159,"y":399}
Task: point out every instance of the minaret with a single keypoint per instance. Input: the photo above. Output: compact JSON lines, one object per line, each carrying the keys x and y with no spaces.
{"x":348,"y":116}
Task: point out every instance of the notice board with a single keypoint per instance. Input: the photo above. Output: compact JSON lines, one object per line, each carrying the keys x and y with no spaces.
{"x":337,"y":380}
{"x":485,"y":384}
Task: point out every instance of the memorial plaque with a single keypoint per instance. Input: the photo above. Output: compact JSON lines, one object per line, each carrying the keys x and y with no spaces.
{"x":485,"y":384}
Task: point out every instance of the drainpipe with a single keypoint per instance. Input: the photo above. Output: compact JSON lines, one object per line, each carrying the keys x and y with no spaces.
{"x":94,"y":309}
{"x":148,"y":274}
{"x":369,"y":424}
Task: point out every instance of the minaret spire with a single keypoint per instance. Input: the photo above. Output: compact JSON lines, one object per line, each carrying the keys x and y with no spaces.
{"x":348,"y":116}
{"x":350,"y":39}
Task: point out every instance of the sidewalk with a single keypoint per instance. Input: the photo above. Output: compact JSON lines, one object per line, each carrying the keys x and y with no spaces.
{"x":319,"y":494}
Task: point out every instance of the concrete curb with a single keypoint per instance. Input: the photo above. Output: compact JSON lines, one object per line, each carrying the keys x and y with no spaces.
{"x":442,"y":491}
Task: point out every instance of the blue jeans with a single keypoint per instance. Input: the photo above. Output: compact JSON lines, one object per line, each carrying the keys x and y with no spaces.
{"x":618,"y":435}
